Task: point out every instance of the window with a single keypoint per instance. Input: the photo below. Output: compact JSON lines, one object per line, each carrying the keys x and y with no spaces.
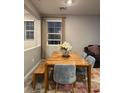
{"x":54,"y":33}
{"x":29,"y":30}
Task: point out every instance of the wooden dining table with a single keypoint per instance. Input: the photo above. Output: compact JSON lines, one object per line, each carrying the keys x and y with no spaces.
{"x":74,"y":58}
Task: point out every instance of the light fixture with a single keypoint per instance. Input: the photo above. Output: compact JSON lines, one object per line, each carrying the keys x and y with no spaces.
{"x":69,"y":2}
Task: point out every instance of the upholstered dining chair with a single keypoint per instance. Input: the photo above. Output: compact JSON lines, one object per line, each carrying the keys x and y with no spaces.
{"x":91,"y":60}
{"x":82,"y":71}
{"x":84,"y":55}
{"x":64,"y":74}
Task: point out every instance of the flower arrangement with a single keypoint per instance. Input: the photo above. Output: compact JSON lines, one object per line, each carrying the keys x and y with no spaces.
{"x":66,"y":46}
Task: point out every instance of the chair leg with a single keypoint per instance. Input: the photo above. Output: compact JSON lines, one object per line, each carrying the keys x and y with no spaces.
{"x":56,"y":87}
{"x":73,"y":86}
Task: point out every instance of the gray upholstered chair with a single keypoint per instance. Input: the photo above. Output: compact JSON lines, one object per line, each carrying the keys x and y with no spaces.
{"x":82,"y":71}
{"x":84,"y":55}
{"x":64,"y":74}
{"x":91,"y":60}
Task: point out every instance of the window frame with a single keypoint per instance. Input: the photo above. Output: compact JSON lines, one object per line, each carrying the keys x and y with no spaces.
{"x":25,"y":38}
{"x":60,"y":33}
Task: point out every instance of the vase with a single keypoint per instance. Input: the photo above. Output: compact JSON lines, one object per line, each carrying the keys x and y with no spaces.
{"x":65,"y":53}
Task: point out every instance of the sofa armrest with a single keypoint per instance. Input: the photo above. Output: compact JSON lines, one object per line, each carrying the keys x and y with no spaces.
{"x":91,"y":53}
{"x":86,"y":49}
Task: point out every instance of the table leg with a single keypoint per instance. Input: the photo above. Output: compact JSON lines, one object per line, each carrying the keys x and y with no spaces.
{"x":33,"y":81}
{"x":89,"y":78}
{"x":43,"y":80}
{"x":46,"y":78}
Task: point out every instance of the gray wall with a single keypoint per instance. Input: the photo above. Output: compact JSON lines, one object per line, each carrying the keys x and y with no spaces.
{"x":31,"y":58}
{"x":81,"y":31}
{"x":32,"y":54}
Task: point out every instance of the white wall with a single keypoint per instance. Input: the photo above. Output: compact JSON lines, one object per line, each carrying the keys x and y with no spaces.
{"x":82,"y":31}
{"x":28,"y":5}
{"x":37,"y":31}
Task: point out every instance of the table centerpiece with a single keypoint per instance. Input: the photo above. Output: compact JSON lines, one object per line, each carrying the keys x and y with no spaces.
{"x":65,"y":48}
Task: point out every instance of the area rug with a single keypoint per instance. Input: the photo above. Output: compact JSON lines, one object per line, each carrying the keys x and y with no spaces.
{"x":80,"y":86}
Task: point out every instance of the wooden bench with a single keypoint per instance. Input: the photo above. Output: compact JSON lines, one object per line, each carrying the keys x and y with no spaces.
{"x":40,"y":70}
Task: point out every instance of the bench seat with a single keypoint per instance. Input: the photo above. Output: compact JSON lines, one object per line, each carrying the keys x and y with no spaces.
{"x":40,"y":70}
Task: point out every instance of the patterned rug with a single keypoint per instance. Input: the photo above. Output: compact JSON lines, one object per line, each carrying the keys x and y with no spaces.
{"x":80,"y":86}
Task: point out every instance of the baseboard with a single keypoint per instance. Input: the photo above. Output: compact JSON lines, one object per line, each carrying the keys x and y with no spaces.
{"x":30,"y":72}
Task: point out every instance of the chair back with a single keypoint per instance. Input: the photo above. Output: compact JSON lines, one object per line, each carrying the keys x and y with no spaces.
{"x":91,"y":60}
{"x":84,"y":54}
{"x":64,"y":73}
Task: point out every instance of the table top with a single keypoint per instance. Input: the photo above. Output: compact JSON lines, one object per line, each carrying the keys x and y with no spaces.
{"x":75,"y":58}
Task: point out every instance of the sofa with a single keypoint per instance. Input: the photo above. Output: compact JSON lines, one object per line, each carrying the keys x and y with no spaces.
{"x":94,"y":50}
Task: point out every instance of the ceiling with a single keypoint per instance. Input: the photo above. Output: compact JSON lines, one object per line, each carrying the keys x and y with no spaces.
{"x":79,"y":7}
